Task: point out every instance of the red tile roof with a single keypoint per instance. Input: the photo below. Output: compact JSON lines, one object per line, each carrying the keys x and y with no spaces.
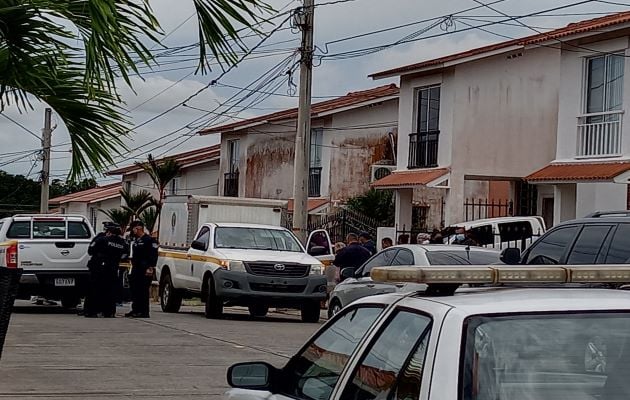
{"x":580,"y":172}
{"x":349,"y":100}
{"x":557,"y":34}
{"x":212,"y":153}
{"x":313,"y":204}
{"x":410,"y":178}
{"x":91,"y":195}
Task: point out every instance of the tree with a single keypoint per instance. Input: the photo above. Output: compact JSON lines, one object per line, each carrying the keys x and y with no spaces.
{"x":136,"y":203}
{"x":161,"y":173}
{"x":40,"y":59}
{"x":377,"y":204}
{"x":149,"y":218}
{"x":119,"y":216}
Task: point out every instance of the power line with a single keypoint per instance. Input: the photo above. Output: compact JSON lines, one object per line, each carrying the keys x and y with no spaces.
{"x":21,"y":126}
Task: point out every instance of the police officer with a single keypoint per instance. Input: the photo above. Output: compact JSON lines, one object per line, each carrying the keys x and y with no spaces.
{"x":106,"y":251}
{"x":144,"y":254}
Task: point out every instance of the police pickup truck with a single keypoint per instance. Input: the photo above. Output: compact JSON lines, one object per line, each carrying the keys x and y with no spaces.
{"x":237,"y":264}
{"x":529,"y":334}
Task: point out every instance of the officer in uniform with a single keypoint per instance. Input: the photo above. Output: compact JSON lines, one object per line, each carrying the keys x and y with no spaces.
{"x":106,"y":251}
{"x":144,"y":254}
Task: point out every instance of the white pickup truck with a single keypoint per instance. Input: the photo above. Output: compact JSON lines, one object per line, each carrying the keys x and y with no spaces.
{"x":236,"y":263}
{"x":52,"y":251}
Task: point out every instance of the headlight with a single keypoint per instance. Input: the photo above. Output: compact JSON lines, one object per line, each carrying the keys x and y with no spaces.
{"x":317,"y":269}
{"x":233,"y":265}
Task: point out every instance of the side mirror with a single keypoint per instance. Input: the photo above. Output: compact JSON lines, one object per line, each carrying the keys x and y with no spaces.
{"x":251,"y":376}
{"x":197,"y":245}
{"x":347,"y":273}
{"x":511,"y":256}
{"x":318,"y":251}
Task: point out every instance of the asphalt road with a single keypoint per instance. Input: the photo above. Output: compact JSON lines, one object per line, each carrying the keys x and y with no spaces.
{"x":50,"y":354}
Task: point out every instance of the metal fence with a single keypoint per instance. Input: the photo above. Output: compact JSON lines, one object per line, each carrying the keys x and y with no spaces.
{"x":343,"y":222}
{"x":484,"y":208}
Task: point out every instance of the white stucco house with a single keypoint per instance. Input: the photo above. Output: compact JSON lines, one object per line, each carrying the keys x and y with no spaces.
{"x":352,"y":142}
{"x":591,"y":167}
{"x":89,"y":202}
{"x":199,"y":174}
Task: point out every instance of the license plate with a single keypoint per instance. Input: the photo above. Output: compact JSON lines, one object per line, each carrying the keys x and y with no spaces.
{"x":64,"y":281}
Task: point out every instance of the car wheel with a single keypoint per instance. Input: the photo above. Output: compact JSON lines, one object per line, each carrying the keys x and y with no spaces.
{"x":310,"y":312}
{"x":258,"y":310}
{"x":214,"y":304}
{"x":334,"y":308}
{"x":170,"y":298}
{"x":70,"y":302}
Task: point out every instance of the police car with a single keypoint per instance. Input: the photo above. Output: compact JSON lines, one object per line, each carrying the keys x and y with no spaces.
{"x":530,"y":333}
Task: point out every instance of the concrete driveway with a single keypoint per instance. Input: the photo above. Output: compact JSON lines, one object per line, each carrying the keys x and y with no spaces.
{"x":50,"y":354}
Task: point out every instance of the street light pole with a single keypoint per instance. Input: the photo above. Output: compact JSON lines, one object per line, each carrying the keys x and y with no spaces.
{"x":304,"y":19}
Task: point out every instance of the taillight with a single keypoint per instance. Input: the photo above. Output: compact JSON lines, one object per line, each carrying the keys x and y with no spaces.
{"x":12,"y":256}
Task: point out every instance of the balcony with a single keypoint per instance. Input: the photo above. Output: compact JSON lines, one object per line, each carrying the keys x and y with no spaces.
{"x":423,"y":149}
{"x":230,"y":184}
{"x":314,"y":181}
{"x":599,"y":134}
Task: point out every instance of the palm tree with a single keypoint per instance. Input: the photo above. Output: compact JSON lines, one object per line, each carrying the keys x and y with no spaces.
{"x":149,"y":218}
{"x":161,"y":173}
{"x":119,"y":216}
{"x":71,"y":53}
{"x":136,"y":203}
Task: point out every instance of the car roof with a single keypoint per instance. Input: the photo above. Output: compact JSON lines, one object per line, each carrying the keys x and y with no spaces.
{"x":444,"y":247}
{"x":591,"y":221}
{"x":242,"y":225}
{"x":496,"y":300}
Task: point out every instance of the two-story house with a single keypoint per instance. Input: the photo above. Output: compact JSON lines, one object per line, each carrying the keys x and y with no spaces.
{"x":352,"y":141}
{"x":199,"y":174}
{"x":591,"y":170}
{"x":474,"y":125}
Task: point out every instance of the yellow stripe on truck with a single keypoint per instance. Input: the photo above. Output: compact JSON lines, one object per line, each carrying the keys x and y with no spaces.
{"x":184,"y":256}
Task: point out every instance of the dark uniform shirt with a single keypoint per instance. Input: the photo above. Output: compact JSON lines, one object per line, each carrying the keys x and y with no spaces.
{"x":106,"y":252}
{"x":352,"y":256}
{"x":144,"y":254}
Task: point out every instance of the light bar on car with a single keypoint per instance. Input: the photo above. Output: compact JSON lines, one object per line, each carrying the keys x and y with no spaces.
{"x":497,"y":275}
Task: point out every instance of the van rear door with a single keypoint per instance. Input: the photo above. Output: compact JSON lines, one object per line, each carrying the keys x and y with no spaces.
{"x":52,"y":243}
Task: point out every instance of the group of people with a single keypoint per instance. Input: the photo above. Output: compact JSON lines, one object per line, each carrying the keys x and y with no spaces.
{"x":106,"y":252}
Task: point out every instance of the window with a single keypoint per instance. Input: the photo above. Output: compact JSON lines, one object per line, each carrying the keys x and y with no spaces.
{"x":588,"y":244}
{"x":204,"y":236}
{"x":234,"y":155}
{"x":19,"y":230}
{"x":423,"y":144}
{"x":484,"y":235}
{"x":429,"y":109}
{"x":93,"y":217}
{"x":314,"y":372}
{"x":403,"y":257}
{"x":513,"y":231}
{"x":462,"y":257}
{"x":315,"y":170}
{"x":604,"y":86}
{"x":619,"y":252}
{"x":78,"y":230}
{"x":546,"y":357}
{"x":382,"y":259}
{"x":255,"y":239}
{"x":49,"y":229}
{"x":376,"y":376}
{"x":550,"y":248}
{"x":174,"y":186}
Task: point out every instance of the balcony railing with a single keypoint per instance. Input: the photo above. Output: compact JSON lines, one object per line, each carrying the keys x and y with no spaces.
{"x":314,"y":181}
{"x":599,"y":134}
{"x":230,"y":184}
{"x":423,"y":149}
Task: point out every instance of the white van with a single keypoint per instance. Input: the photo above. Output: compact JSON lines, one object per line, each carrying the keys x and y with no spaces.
{"x":52,"y":251}
{"x":502,"y":232}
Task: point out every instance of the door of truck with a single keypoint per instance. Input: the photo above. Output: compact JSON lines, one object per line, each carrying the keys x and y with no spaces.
{"x":319,"y":246}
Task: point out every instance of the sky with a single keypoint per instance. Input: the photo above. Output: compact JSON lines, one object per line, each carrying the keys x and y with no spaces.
{"x":172,"y":81}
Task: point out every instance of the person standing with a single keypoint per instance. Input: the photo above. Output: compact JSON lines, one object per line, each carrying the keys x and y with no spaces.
{"x":386,"y":243}
{"x":367,"y":242}
{"x":354,"y":255}
{"x":144,"y":254}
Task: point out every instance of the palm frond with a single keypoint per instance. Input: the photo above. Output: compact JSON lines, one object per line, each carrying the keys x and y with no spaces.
{"x":149,"y":218}
{"x":119,"y":216}
{"x":161,"y":172}
{"x":137,"y":202}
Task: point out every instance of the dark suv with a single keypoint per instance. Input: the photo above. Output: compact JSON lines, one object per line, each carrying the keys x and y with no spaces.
{"x":600,"y":238}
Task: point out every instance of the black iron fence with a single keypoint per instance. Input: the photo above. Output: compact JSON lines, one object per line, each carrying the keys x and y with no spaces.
{"x":484,"y":208}
{"x":230,"y":184}
{"x":423,"y":149}
{"x":343,"y":222}
{"x":314,"y":181}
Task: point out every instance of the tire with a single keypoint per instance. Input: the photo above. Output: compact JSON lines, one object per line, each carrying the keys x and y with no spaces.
{"x":170,"y":298}
{"x":214,"y":304}
{"x":310,"y":312}
{"x":70,"y":302}
{"x":258,"y":310}
{"x":334,"y":307}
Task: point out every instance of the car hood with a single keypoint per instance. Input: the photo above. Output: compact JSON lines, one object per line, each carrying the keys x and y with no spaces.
{"x":266,"y":256}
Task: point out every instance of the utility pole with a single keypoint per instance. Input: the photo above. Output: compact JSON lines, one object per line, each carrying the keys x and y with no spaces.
{"x":304,"y":19}
{"x":46,"y":143}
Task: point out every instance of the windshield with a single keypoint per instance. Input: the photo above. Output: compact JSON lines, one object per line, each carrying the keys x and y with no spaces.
{"x":462,"y":257}
{"x":255,"y":239}
{"x":547,"y":357}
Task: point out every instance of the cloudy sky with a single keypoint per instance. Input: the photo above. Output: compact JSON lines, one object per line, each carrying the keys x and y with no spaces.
{"x":341,"y":68}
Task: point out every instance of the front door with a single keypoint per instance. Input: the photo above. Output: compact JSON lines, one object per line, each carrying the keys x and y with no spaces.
{"x":547,"y":211}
